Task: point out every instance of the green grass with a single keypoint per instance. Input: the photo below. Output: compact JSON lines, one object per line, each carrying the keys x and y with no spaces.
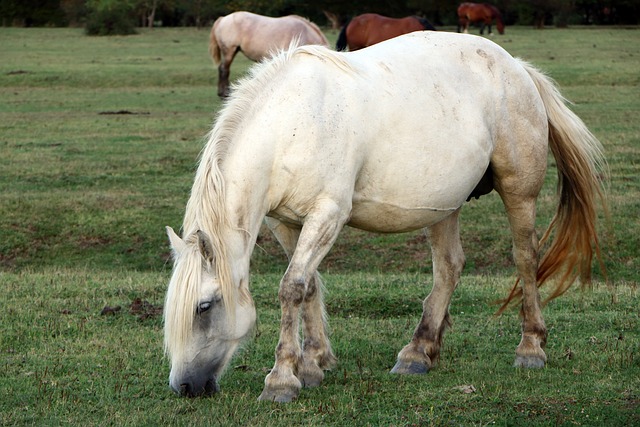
{"x":64,"y":362}
{"x":85,"y":196}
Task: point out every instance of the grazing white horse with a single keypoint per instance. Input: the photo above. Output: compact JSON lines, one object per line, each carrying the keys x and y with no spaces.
{"x":383,"y":139}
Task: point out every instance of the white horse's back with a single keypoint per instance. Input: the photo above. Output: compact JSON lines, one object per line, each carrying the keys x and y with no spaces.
{"x":411,"y":150}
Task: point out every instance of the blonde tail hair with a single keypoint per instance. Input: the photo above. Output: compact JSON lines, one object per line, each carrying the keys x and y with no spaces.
{"x":581,"y":170}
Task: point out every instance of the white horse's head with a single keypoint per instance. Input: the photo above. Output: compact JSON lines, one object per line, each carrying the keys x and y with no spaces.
{"x":204,"y":321}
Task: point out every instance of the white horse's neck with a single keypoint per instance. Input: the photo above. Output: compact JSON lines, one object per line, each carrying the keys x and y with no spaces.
{"x":228,"y":203}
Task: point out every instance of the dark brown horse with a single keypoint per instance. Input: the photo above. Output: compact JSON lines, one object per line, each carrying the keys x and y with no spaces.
{"x":484,"y":13}
{"x":371,"y":28}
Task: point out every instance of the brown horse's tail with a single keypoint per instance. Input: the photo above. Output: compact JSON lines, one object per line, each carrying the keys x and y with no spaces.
{"x":341,"y":43}
{"x":581,"y":168}
{"x":214,"y":49}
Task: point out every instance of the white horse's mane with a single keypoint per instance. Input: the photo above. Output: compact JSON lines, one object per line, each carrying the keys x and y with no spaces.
{"x":182,"y":297}
{"x":206,"y":208}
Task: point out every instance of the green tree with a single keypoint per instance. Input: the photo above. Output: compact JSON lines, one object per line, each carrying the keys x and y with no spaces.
{"x":31,"y":13}
{"x":110,"y":17}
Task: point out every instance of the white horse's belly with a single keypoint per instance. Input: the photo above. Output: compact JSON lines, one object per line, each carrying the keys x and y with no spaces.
{"x":385,"y":217}
{"x":403,"y":187}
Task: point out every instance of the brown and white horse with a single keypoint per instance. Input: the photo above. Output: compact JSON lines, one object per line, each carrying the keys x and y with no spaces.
{"x":383,"y":139}
{"x":484,"y":13}
{"x":258,"y":37}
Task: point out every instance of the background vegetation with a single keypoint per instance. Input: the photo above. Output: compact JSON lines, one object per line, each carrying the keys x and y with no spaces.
{"x":202,"y":12}
{"x":99,"y":139}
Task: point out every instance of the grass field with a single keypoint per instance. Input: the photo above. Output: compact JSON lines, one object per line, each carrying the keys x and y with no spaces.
{"x":99,"y":139}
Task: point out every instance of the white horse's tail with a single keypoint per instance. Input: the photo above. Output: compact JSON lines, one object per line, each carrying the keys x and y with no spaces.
{"x":581,"y":170}
{"x":214,"y":49}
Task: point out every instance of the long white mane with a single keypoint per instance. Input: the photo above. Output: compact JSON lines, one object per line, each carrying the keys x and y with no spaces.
{"x":182,"y":297}
{"x":206,"y":209}
{"x":246,"y":90}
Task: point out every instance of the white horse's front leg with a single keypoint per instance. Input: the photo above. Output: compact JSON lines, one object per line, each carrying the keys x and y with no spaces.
{"x":420,"y":354}
{"x":316,"y":349}
{"x":317,"y":355}
{"x":300,"y":285}
{"x":282,"y":383}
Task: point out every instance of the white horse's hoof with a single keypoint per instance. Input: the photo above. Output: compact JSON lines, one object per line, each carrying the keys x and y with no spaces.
{"x":410,"y":368}
{"x":528,"y":362}
{"x":280,"y":396}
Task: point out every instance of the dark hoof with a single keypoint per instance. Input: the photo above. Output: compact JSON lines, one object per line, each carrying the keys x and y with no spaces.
{"x":209,"y":389}
{"x":409,"y":368}
{"x":528,"y":362}
{"x":310,"y":381}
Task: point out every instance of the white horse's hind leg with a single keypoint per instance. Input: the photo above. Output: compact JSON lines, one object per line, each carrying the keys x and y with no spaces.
{"x":522,"y":213}
{"x":519,"y":163}
{"x":320,"y":230}
{"x":420,"y":354}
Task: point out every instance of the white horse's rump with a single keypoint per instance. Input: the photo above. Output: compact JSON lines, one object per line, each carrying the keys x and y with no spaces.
{"x":384,"y":139}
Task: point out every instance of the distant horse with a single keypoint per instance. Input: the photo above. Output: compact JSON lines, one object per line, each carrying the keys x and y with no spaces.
{"x":371,"y":28}
{"x":383,"y":139}
{"x":257,"y":37}
{"x":484,"y":13}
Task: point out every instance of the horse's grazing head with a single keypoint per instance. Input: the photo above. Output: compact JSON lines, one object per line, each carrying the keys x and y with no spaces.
{"x":204,"y":323}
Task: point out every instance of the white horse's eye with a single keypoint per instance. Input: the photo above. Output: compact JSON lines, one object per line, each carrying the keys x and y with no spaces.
{"x":204,"y":307}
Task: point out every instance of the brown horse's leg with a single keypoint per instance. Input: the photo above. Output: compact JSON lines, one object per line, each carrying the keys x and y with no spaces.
{"x":420,"y":354}
{"x":465,"y":25}
{"x":521,"y":210}
{"x":320,"y":230}
{"x":489,"y":27}
{"x":483,"y":25}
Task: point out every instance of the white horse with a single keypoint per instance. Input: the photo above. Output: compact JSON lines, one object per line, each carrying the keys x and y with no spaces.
{"x":383,"y":139}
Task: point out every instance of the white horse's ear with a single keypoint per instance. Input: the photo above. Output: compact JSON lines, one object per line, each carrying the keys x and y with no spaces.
{"x":206,"y":249}
{"x":177,"y":244}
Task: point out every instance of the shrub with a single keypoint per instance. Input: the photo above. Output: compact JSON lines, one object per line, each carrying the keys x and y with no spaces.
{"x":110,"y":17}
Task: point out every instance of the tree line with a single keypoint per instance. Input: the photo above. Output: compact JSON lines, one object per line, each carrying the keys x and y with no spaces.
{"x":122,"y":16}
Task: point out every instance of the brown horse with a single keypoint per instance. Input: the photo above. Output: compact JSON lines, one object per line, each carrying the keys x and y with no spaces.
{"x":484,"y":13}
{"x":371,"y":28}
{"x":257,"y":37}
